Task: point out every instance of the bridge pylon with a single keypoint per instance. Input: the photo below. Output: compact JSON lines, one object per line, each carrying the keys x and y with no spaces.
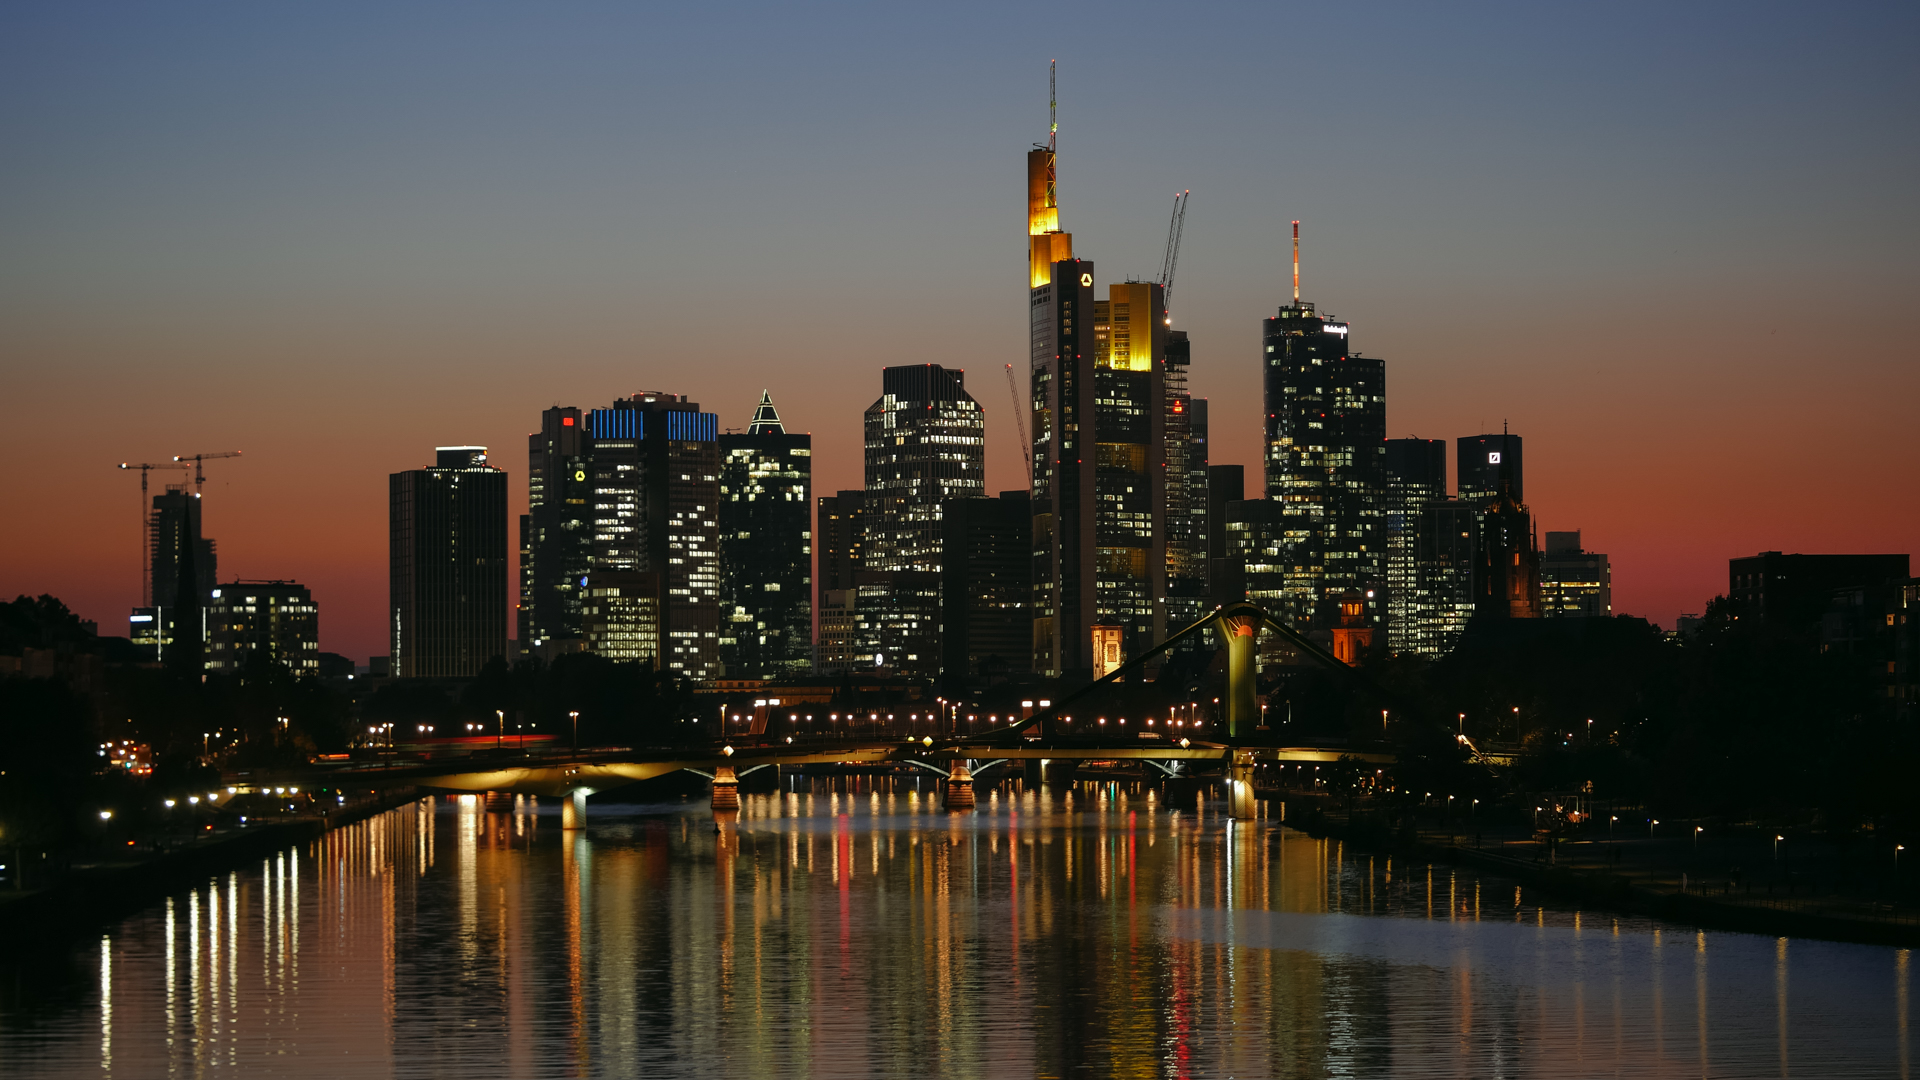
{"x":960,"y":787}
{"x":726,"y":788}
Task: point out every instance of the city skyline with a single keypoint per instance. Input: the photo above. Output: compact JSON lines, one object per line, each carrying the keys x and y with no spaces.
{"x":330,"y":367}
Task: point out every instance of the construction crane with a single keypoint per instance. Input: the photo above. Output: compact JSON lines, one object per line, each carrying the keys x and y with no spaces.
{"x":199,"y":471}
{"x":1176,"y":225}
{"x":1020,"y":423}
{"x":146,"y":569}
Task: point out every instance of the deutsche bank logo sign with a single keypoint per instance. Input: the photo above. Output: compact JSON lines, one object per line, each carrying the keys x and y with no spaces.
{"x":1493,"y":458}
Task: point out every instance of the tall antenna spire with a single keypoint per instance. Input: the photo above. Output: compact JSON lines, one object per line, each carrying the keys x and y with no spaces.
{"x":1296,"y":264}
{"x":1053,"y":109}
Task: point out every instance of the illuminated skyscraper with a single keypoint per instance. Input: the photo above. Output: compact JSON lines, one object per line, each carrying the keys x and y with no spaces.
{"x":925,"y":447}
{"x":278,"y":618}
{"x":447,"y":541}
{"x":1480,"y":463}
{"x":1186,"y":498}
{"x":766,"y":549}
{"x":1416,"y":479}
{"x":656,"y":509}
{"x":1574,"y":583}
{"x":1325,"y":462}
{"x":1445,"y":543}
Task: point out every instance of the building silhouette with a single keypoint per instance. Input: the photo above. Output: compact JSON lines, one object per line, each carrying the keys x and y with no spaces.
{"x":556,"y":535}
{"x":447,"y":543}
{"x":766,"y":549}
{"x":1480,"y":463}
{"x":1445,"y":546}
{"x":1506,"y":579}
{"x":986,"y":590}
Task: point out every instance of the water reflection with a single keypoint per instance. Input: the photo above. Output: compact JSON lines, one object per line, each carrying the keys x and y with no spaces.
{"x":866,"y":932}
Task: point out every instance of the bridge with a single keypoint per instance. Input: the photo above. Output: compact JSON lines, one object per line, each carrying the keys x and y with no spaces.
{"x":1038,"y":742}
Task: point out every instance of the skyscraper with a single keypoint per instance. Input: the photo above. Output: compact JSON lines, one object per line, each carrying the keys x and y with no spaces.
{"x":840,"y":534}
{"x":1481,"y":462}
{"x":766,"y":549}
{"x":1416,"y":478}
{"x":925,"y":447}
{"x":1185,"y":435}
{"x":447,"y":543}
{"x":1574,"y":583}
{"x":656,"y":509}
{"x":556,"y":535}
{"x":1325,"y":461}
{"x":183,"y":569}
{"x":986,"y":589}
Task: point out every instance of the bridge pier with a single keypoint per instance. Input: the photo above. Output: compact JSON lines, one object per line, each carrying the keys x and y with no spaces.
{"x":1240,"y":802}
{"x":726,"y":788}
{"x":573,"y":811}
{"x":960,"y":787}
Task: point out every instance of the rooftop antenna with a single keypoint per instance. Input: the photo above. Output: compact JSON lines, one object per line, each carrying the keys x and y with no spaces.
{"x":1053,"y":108}
{"x":1296,"y":264}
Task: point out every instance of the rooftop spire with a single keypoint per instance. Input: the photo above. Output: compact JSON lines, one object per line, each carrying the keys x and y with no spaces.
{"x":1296,"y":264}
{"x":765,"y":420}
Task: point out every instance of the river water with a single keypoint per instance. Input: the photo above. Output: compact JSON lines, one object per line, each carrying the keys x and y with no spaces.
{"x":872,"y":934}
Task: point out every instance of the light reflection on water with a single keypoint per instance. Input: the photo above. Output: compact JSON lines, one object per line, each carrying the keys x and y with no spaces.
{"x":873,"y":934}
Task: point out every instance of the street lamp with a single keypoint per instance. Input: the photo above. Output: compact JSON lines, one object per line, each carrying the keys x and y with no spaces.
{"x":575,"y":715}
{"x":500,"y":734}
{"x":1697,"y":830}
{"x":1651,"y":822}
{"x":1776,"y":846}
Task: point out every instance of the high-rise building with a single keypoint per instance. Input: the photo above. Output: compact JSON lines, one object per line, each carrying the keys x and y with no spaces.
{"x":1325,"y":463}
{"x":656,"y":509}
{"x":278,"y":618}
{"x":925,"y":446}
{"x":1574,"y":583}
{"x":620,"y":615}
{"x":839,"y":534}
{"x":1445,"y":543}
{"x":1481,"y":462}
{"x":766,"y":549}
{"x":183,"y":568}
{"x":1416,"y":478}
{"x":556,"y":535}
{"x":447,"y":542}
{"x":1226,"y":576}
{"x":1185,"y":437}
{"x":986,"y":591}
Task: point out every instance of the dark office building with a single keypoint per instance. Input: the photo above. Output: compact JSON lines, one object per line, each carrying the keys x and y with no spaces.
{"x":1795,"y":590}
{"x":447,"y":542}
{"x":1416,"y":479}
{"x":556,"y":535}
{"x":1326,"y":433}
{"x":656,"y":509}
{"x":766,"y":551}
{"x":1185,"y":437}
{"x":840,"y":534}
{"x":184,"y":568}
{"x":1481,"y":461}
{"x":1226,"y":580}
{"x":986,"y":587}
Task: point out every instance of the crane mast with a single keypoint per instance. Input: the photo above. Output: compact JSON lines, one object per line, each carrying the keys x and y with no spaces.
{"x":199,"y":468}
{"x":1176,"y":225}
{"x":1020,"y":424}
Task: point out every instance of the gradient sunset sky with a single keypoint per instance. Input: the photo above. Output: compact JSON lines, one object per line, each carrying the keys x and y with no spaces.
{"x":1673,"y":245}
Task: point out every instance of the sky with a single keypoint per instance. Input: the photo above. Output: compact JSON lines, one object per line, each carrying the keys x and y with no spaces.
{"x":1669,"y":245}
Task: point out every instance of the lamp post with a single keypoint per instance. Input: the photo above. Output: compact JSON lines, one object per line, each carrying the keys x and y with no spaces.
{"x":1697,"y":830}
{"x":500,"y":733}
{"x":575,"y":717}
{"x":1776,"y":846}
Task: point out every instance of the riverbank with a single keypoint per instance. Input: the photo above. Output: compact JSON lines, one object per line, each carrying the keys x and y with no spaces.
{"x":1634,"y":891}
{"x":97,"y":893}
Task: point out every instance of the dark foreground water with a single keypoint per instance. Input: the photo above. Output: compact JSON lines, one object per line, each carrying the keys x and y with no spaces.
{"x":875,"y":935}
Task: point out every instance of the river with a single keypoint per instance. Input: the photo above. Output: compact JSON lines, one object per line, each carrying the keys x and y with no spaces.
{"x":872,"y":934}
